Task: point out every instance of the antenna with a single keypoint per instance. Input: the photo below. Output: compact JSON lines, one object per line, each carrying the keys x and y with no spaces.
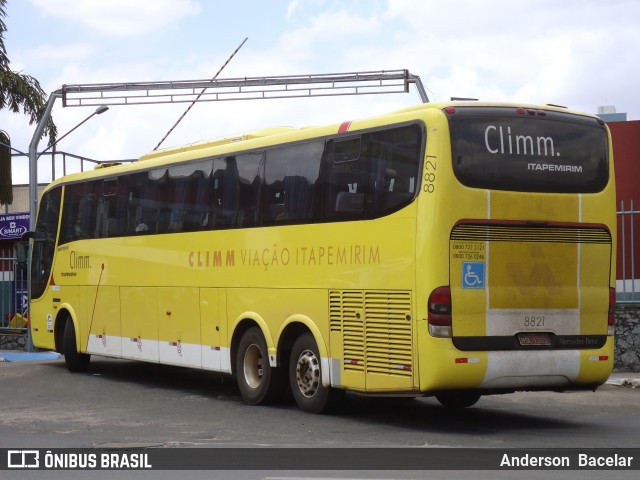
{"x":199,"y":95}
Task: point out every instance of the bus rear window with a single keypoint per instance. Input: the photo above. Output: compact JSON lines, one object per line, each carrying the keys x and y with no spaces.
{"x":502,"y":150}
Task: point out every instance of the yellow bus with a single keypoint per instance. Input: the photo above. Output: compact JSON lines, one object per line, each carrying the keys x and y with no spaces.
{"x":450,"y":249}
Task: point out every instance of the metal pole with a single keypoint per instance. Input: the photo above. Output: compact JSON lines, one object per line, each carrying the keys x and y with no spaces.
{"x":415,"y":79}
{"x":33,"y":158}
{"x":199,"y":95}
{"x":633,"y":261}
{"x":624,"y":251}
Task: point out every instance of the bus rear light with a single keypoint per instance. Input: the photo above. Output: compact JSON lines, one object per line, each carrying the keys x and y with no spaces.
{"x":450,"y":110}
{"x":598,"y":358}
{"x":467,"y":360}
{"x":520,"y":111}
{"x":440,"y":312}
{"x":611,"y":320}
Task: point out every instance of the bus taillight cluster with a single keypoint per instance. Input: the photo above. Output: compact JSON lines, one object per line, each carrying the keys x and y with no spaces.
{"x":440,"y":312}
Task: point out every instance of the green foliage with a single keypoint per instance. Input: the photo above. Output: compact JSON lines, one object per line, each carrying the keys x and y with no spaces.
{"x":20,"y":94}
{"x":6,"y":183}
{"x":4,"y":61}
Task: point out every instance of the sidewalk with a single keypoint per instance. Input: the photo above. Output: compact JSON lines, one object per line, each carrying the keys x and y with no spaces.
{"x":624,"y":379}
{"x":13,"y":356}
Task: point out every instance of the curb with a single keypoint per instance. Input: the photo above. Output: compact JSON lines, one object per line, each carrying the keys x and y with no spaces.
{"x":621,"y":381}
{"x":28,"y":357}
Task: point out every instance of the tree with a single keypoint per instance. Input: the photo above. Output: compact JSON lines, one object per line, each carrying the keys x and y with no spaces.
{"x":18,"y":92}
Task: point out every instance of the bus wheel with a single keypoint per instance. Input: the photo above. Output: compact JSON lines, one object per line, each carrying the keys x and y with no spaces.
{"x":457,"y":400}
{"x":75,"y":361}
{"x":257,"y":381}
{"x":305,"y":377}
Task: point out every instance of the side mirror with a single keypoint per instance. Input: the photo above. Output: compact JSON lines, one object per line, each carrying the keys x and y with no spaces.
{"x":28,"y":236}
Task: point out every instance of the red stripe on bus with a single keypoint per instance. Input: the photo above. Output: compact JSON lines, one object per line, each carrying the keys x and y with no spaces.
{"x":344,"y":127}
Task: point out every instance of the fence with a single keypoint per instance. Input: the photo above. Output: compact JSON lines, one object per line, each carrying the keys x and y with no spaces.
{"x":627,"y":285}
{"x":14,"y":296}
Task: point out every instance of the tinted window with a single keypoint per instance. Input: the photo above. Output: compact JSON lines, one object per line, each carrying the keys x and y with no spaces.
{"x":45,"y":241}
{"x":167,"y":200}
{"x":237,"y":186}
{"x":79,"y":215}
{"x":350,"y":178}
{"x":501,"y":150}
{"x":189,"y":197}
{"x":373,"y":174}
{"x":292,"y":191}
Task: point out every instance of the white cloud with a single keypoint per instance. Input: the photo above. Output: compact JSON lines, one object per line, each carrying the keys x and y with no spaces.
{"x":335,"y":31}
{"x":576,"y":52}
{"x":121,"y":17}
{"x":291,"y":9}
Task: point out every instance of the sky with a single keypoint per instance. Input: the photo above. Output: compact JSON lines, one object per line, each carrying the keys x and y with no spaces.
{"x":578,"y":53}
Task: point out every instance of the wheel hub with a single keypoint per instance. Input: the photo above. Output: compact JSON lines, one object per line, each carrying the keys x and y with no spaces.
{"x":253,"y":366}
{"x":308,"y":373}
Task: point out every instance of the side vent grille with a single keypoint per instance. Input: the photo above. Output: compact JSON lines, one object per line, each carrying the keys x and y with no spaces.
{"x":346,"y":308}
{"x":530,"y":233}
{"x":377,"y":330}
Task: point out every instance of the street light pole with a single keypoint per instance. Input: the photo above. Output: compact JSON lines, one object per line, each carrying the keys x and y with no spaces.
{"x":100,"y":110}
{"x":34,"y":156}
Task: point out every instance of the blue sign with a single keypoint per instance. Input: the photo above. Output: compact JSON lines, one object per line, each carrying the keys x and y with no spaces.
{"x":22,"y":300}
{"x":13,"y":225}
{"x":473,"y":275}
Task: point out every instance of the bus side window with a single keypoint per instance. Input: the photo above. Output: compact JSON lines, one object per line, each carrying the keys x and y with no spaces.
{"x":349,"y":202}
{"x":251,"y":179}
{"x":197,"y":213}
{"x":111,"y":209}
{"x":396,"y":152}
{"x":291,"y":181}
{"x":72,"y":195}
{"x":348,"y":180}
{"x":226,"y":187}
{"x":140,"y":213}
{"x":86,"y":218}
{"x":191,"y":191}
{"x":298,"y":195}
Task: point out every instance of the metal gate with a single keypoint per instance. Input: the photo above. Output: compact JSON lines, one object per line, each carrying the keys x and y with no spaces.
{"x":14,"y":294}
{"x":628,"y":267}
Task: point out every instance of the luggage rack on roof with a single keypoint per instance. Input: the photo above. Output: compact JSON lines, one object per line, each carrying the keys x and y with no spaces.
{"x":244,"y":88}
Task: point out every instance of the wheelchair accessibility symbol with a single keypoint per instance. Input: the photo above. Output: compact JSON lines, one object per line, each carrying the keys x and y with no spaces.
{"x":473,"y":275}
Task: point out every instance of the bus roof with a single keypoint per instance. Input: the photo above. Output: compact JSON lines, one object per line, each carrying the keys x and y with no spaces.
{"x":186,"y":151}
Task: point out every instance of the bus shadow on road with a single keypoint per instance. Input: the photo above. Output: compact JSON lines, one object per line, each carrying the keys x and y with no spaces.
{"x":426,"y":414}
{"x":491,"y":414}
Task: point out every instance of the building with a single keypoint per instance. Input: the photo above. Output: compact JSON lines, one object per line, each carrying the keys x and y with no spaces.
{"x":625,"y":136}
{"x":15,"y":218}
{"x":608,"y":114}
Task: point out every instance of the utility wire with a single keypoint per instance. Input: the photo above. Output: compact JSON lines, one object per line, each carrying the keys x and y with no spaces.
{"x":199,"y":95}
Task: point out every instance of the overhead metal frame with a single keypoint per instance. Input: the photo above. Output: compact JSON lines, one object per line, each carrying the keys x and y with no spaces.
{"x":247,"y":88}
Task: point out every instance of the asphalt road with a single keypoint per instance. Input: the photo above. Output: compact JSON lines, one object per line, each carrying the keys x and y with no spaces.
{"x":122,"y":404}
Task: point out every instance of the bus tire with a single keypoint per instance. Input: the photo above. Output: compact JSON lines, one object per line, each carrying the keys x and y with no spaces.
{"x":459,"y":399}
{"x":305,"y":377}
{"x":258,"y":382}
{"x":74,"y":360}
